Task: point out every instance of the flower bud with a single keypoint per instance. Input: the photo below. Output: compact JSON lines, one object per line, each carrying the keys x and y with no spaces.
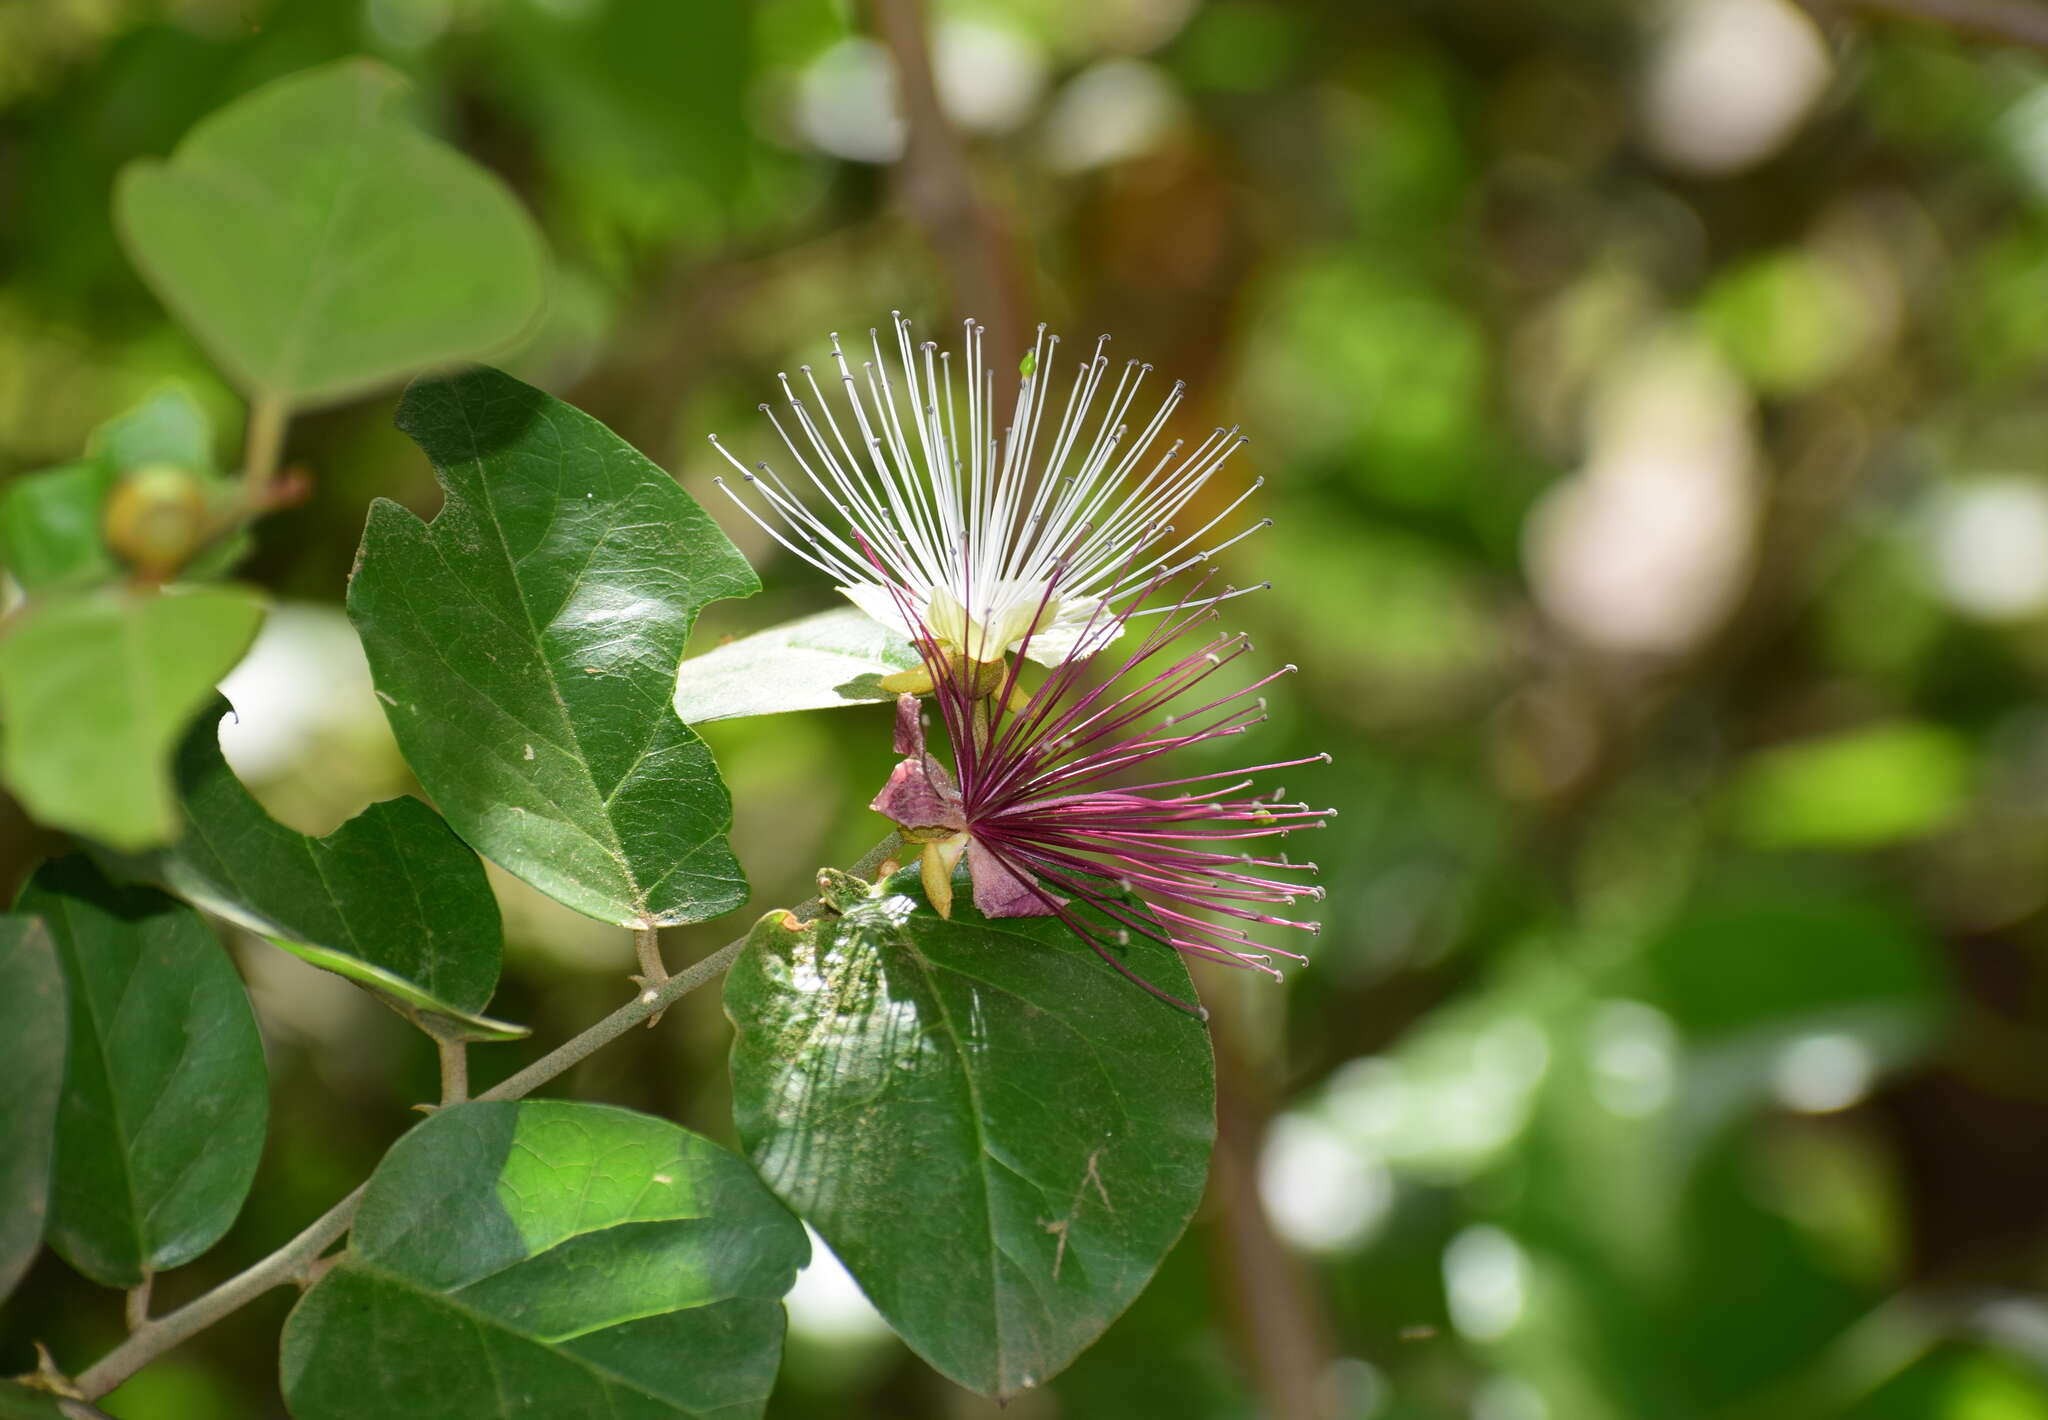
{"x":156,"y":518}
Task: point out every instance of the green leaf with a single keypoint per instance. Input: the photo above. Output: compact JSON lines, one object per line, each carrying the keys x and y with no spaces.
{"x":95,"y":690}
{"x":161,"y":1121}
{"x":167,"y":427}
{"x":32,"y":1064}
{"x":999,"y":1135}
{"x":392,"y":899}
{"x":1861,"y":789}
{"x":50,"y":527}
{"x":814,"y":663}
{"x":525,"y":645}
{"x":319,"y":244}
{"x":18,"y":1402}
{"x":551,"y":1260}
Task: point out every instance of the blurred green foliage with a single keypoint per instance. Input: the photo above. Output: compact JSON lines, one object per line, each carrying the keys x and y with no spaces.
{"x":1662,"y":531}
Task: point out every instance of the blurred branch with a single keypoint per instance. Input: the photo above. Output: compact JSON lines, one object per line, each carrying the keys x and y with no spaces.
{"x":2009,"y":21}
{"x":296,"y":1258}
{"x":263,"y":446}
{"x":1278,"y":1317}
{"x":974,"y":242}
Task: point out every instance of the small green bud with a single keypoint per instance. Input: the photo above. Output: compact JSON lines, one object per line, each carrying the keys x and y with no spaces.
{"x":1028,"y":363}
{"x":156,"y":518}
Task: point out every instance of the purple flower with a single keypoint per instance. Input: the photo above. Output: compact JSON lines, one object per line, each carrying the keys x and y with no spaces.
{"x":1063,"y":798}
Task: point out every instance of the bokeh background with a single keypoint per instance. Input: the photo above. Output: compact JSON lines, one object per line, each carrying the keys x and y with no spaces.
{"x":1653,"y":403}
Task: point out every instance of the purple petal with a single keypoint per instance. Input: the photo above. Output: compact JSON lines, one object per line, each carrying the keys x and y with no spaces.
{"x":998,"y":892}
{"x":909,"y":725}
{"x":920,"y":794}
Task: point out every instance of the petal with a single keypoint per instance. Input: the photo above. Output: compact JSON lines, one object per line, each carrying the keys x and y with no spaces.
{"x":909,"y":726}
{"x":1073,"y":621}
{"x":998,"y":892}
{"x":879,"y":603}
{"x":950,"y":624}
{"x":920,"y":794}
{"x":1017,"y":606}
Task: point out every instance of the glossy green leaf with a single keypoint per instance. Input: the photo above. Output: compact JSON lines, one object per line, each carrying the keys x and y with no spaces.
{"x":551,"y":1260}
{"x":95,"y":690}
{"x":392,"y":899}
{"x":161,"y":1121}
{"x":834,"y":658}
{"x":32,"y":1064}
{"x":999,"y":1135}
{"x":319,"y":244}
{"x":525,"y":646}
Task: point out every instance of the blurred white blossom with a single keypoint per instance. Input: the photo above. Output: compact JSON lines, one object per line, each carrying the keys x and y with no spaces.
{"x":1729,"y":82}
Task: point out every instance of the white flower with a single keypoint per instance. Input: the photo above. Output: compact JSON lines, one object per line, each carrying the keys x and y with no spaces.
{"x":999,"y":540}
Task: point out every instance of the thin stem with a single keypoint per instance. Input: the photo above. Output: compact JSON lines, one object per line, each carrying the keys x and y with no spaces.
{"x":138,"y":1302}
{"x":296,"y":1258}
{"x":79,"y":1410}
{"x":454,"y":1069}
{"x":155,"y":1337}
{"x":2020,"y":22}
{"x":262,"y":447}
{"x":652,"y":1002}
{"x":975,"y":239}
{"x":647,"y":943}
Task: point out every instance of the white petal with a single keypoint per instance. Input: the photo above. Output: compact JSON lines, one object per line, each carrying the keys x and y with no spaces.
{"x":1061,"y":639}
{"x":879,"y":603}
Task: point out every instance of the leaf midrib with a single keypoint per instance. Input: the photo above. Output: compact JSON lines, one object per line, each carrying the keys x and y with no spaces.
{"x":69,"y":948}
{"x":547,"y":664}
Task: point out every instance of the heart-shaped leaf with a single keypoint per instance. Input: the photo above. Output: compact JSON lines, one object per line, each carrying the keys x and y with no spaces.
{"x":95,"y":690}
{"x":32,"y":1064}
{"x":392,"y":899}
{"x":834,"y":658}
{"x":549,"y":1259}
{"x":999,"y":1136}
{"x":161,"y":1121}
{"x":525,"y":645}
{"x":319,"y":244}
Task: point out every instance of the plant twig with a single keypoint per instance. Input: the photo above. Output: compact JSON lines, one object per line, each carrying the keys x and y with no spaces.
{"x":1280,"y":1324}
{"x":298,"y":1257}
{"x":79,"y":1410}
{"x":153,"y":1338}
{"x":2019,"y":22}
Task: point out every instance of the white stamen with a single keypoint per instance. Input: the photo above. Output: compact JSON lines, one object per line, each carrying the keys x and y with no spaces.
{"x":1005,"y":542}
